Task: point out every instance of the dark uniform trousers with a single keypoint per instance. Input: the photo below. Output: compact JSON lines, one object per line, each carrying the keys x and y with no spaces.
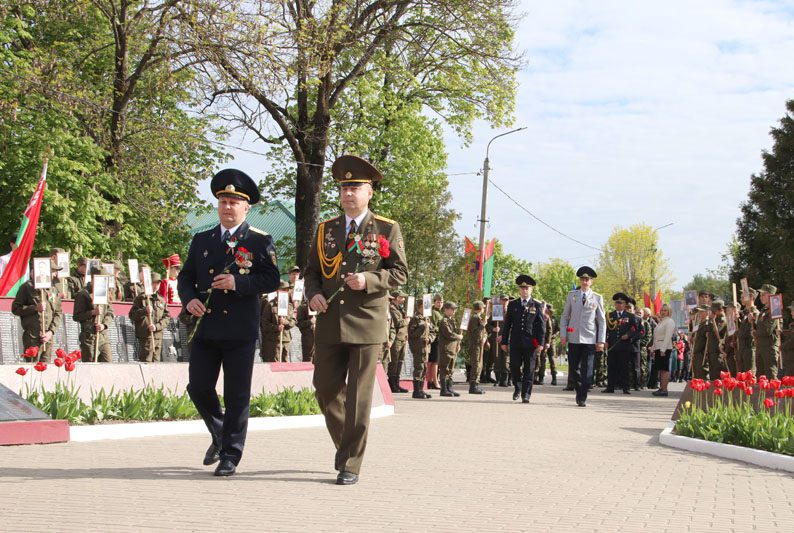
{"x":580,"y":366}
{"x":522,"y":367}
{"x":346,"y":409}
{"x":149,"y":348}
{"x":237,"y":358}
{"x":618,"y":369}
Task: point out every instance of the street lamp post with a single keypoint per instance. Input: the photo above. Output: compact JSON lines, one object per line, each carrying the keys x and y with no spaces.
{"x":485,"y":169}
{"x":653,"y":262}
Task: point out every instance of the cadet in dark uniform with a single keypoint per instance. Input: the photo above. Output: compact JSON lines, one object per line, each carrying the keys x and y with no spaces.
{"x":236,"y":263}
{"x":700,"y":326}
{"x":501,"y":357}
{"x":622,"y":330}
{"x":715,"y":340}
{"x":523,"y":334}
{"x":150,"y":316}
{"x":361,"y":255}
{"x":549,"y":348}
{"x":40,"y":317}
{"x":635,"y":365}
{"x":745,"y":334}
{"x":94,"y":322}
{"x":275,"y":330}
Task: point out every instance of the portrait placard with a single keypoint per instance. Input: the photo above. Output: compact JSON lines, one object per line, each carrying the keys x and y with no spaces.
{"x":776,"y":306}
{"x":498,"y":312}
{"x":464,"y":320}
{"x":146,"y":273}
{"x":427,"y":305}
{"x":132,"y":265}
{"x":410,"y":305}
{"x":745,"y":287}
{"x":108,"y":269}
{"x":488,"y":310}
{"x":283,"y":303}
{"x":62,"y":258}
{"x":691,"y":299}
{"x":271,"y":295}
{"x":730,"y":318}
{"x":297,"y":291}
{"x":100,"y":289}
{"x":735,"y":301}
{"x":42,"y":275}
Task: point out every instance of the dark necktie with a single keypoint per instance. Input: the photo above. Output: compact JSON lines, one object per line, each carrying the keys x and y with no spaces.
{"x":524,"y":303}
{"x":352,"y":228}
{"x":226,"y":236}
{"x":584,"y":298}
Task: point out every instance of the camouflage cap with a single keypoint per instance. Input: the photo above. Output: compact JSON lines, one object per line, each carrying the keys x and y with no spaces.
{"x":450,"y":305}
{"x":477,"y":306}
{"x":767,"y":288}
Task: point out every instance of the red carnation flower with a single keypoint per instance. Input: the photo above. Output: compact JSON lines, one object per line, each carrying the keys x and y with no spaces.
{"x":242,"y":250}
{"x":58,"y":362}
{"x":41,"y":366}
{"x":22,"y":371}
{"x":383,"y":247}
{"x":769,"y":403}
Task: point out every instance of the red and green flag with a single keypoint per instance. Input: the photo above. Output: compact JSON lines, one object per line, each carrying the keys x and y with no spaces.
{"x":486,"y":272}
{"x":16,"y":272}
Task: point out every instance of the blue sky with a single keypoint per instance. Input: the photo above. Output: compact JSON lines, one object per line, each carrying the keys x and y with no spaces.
{"x":635,"y":112}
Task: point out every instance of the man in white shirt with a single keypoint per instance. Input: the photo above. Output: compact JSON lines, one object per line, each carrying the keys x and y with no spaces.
{"x":5,"y":259}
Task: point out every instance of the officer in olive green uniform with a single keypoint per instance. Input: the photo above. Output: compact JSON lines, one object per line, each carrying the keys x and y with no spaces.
{"x":432,"y":362}
{"x":745,"y":334}
{"x":449,"y":337}
{"x":94,"y":322}
{"x":76,"y":282}
{"x":150,"y":316}
{"x":549,"y":348}
{"x":767,"y":336}
{"x":715,"y":340}
{"x":275,"y":330}
{"x":419,"y":340}
{"x":40,"y":313}
{"x":700,"y":327}
{"x":306,"y":322}
{"x":399,"y":323}
{"x":362,"y":256}
{"x":476,"y":341}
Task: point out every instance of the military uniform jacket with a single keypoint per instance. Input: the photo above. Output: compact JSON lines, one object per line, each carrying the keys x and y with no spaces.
{"x":477,"y":332}
{"x":715,"y":335}
{"x":232,"y":314}
{"x":398,"y":322}
{"x":304,"y":319}
{"x":419,"y":334}
{"x":140,"y":316}
{"x":83,"y":308}
{"x":583,"y":322}
{"x":449,"y":336}
{"x":767,"y":332}
{"x":25,"y":307}
{"x":132,"y":291}
{"x":75,"y":283}
{"x":551,"y":331}
{"x":269,"y":321}
{"x":699,"y":341}
{"x":356,"y":317}
{"x":744,"y":333}
{"x":524,"y":327}
{"x":627,"y":324}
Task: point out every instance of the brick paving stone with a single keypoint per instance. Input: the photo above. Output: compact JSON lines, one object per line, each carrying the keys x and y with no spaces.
{"x":475,"y":463}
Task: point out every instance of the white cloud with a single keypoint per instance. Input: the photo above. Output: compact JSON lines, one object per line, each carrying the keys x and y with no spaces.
{"x":636,"y":112}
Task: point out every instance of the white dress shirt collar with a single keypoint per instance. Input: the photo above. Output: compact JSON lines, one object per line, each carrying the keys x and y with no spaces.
{"x":231,"y":231}
{"x":359,"y":219}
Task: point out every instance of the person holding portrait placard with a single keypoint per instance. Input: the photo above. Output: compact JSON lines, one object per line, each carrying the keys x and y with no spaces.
{"x":419,"y":340}
{"x":399,"y":325}
{"x":94,"y":319}
{"x":133,"y":289}
{"x":76,"y":281}
{"x":767,"y":335}
{"x":276,"y":336}
{"x":787,"y":347}
{"x":150,"y":316}
{"x":40,"y":313}
{"x":477,"y":336}
{"x":306,"y":320}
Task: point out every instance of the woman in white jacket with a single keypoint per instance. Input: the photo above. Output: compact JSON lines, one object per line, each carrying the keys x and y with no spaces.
{"x":663,"y":347}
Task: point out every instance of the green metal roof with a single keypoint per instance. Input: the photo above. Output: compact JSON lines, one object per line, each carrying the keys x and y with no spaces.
{"x":276,"y":217}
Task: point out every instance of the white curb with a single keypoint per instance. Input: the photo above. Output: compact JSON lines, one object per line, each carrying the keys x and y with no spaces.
{"x":195,"y":427}
{"x":727,"y":451}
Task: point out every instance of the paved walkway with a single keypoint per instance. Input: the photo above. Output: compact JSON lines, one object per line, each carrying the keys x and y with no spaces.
{"x":467,"y":464}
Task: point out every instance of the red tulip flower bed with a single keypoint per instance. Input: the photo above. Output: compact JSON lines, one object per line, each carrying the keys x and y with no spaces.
{"x":731,"y":416}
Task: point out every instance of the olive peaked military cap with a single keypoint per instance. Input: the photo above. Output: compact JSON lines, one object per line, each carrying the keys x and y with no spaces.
{"x":350,"y":170}
{"x":620,"y":297}
{"x":235,"y":183}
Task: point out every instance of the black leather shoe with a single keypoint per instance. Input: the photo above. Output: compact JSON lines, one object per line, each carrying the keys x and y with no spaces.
{"x":212,"y":456}
{"x":346,"y":478}
{"x":568,"y":388}
{"x":516,"y":394}
{"x":225,"y":468}
{"x":581,"y":404}
{"x":475,"y":389}
{"x":626,"y":391}
{"x":525,"y":398}
{"x":608,"y":391}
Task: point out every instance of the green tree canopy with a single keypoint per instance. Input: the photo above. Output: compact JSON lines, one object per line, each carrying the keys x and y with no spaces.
{"x":765,"y":230}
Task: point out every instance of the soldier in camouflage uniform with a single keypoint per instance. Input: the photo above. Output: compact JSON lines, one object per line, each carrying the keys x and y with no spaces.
{"x":419,"y":340}
{"x":94,"y":323}
{"x":399,"y":322}
{"x":476,"y":337}
{"x":715,"y":340}
{"x":745,"y":334}
{"x":449,"y":336}
{"x":767,"y":336}
{"x":276,"y":336}
{"x":40,"y":313}
{"x":76,"y":281}
{"x":549,"y":348}
{"x":150,"y":316}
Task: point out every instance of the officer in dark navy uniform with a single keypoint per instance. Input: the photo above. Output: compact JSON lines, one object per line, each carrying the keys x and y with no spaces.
{"x":623,"y":329}
{"x":226,"y":270}
{"x":523,"y":333}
